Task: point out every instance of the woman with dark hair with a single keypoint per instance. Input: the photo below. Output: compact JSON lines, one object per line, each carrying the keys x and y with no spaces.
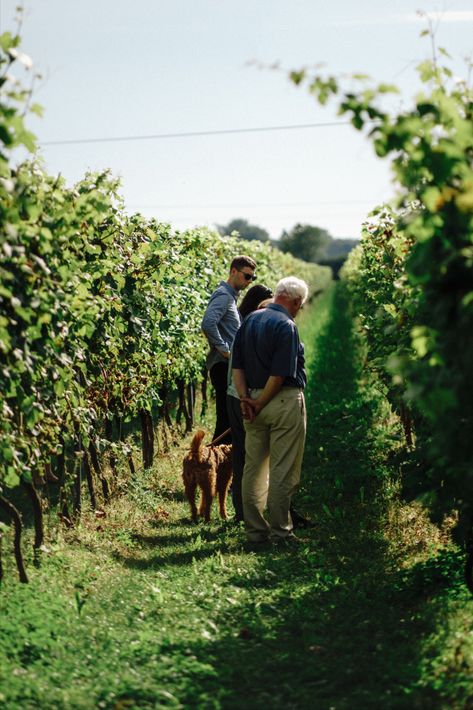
{"x":254,"y":298}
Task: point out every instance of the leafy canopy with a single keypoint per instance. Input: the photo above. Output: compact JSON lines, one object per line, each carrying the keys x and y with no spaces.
{"x":244,"y":230}
{"x":305,"y":242}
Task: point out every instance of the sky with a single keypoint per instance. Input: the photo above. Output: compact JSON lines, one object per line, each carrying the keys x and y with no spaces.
{"x":114,"y":68}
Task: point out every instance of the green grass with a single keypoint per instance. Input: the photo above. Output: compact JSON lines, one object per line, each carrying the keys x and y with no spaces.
{"x":142,"y":609}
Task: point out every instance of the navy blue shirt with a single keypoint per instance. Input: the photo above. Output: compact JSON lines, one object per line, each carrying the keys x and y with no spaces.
{"x":268,"y":344}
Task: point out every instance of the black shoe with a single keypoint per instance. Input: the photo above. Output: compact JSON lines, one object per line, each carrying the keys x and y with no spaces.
{"x":298,"y":521}
{"x":257,"y":546}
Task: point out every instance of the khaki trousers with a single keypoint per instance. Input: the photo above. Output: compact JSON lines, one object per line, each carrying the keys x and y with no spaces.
{"x":277,"y":434}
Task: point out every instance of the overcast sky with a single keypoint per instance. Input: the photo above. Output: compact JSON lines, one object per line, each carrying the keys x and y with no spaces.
{"x":115,"y":68}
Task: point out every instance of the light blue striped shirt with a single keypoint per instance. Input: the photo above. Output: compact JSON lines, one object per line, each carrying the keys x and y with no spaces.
{"x":221,"y":322}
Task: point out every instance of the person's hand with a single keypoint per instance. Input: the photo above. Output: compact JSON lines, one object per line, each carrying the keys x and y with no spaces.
{"x":246,"y":410}
{"x":250,"y":408}
{"x":224,"y":353}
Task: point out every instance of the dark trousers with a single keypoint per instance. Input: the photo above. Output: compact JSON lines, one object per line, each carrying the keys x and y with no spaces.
{"x":238,"y":452}
{"x":218,"y":377}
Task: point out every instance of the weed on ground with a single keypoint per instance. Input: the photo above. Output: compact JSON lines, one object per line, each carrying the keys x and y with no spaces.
{"x":140,"y":608}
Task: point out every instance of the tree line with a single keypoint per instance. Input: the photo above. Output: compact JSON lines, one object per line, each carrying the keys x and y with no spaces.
{"x":303,"y":241}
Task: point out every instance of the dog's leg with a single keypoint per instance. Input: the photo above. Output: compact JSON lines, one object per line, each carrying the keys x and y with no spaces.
{"x":222,"y":497}
{"x":202,"y":504}
{"x":223,"y":486}
{"x":190,"y":486}
{"x":224,"y":479}
{"x":206,"y":501}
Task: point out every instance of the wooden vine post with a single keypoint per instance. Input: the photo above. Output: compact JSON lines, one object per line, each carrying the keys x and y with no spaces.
{"x":147,"y":438}
{"x":37,"y":516}
{"x":13,"y":513}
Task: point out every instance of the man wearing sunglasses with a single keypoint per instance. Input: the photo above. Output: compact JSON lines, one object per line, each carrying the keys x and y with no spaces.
{"x":220,"y":324}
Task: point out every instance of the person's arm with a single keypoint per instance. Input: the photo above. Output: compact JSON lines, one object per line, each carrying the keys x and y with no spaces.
{"x":241,"y":387}
{"x":239,"y":380}
{"x":283,"y":364}
{"x":216,"y":309}
{"x":271,"y":388}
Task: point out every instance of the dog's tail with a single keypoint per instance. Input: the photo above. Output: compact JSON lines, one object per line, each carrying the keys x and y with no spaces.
{"x":197,"y":445}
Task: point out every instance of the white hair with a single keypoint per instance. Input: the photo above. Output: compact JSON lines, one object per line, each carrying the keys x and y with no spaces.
{"x":292,"y":287}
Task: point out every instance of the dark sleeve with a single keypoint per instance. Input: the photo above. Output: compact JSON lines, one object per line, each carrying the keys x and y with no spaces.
{"x":286,"y":348}
{"x":237,"y":351}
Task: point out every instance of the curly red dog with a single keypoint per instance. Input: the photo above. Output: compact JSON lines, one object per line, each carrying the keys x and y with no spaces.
{"x":210,"y":468}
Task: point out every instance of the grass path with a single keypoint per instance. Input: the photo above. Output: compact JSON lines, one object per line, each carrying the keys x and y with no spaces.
{"x":141,"y":609}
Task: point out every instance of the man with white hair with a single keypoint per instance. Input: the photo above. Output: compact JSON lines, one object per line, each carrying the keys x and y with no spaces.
{"x":269,"y":375}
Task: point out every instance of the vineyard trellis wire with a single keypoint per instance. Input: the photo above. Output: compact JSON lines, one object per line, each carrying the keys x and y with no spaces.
{"x":99,"y":320}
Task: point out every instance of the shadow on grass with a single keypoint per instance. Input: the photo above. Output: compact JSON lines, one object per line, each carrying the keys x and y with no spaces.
{"x":341,"y":643}
{"x":335,"y":624}
{"x":163,"y":558}
{"x":189,"y":541}
{"x":186,"y":521}
{"x":173,"y":495}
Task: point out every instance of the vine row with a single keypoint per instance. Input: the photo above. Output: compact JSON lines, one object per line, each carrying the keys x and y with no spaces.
{"x":411,"y":279}
{"x":100,"y":316}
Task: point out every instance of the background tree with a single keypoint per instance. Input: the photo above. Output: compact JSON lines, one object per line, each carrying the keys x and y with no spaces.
{"x":340,"y":248}
{"x":245,"y":230}
{"x":336,"y":254}
{"x":305,"y":242}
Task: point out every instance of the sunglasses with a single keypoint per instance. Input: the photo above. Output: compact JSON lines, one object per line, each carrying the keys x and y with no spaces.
{"x":248,"y":277}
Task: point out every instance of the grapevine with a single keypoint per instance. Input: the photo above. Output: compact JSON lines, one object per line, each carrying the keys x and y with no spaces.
{"x":412,"y":278}
{"x":100,"y":318}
